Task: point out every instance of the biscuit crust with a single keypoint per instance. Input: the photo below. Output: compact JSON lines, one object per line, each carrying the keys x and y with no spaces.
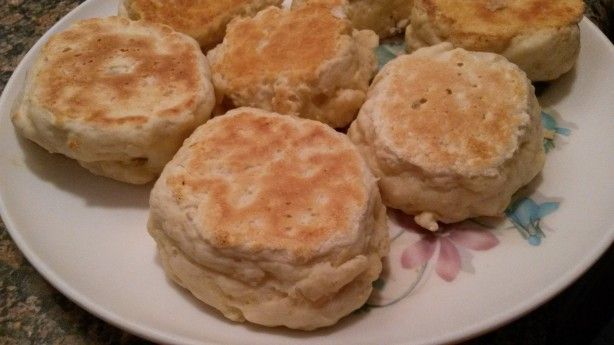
{"x":204,"y":20}
{"x":106,"y":90}
{"x":305,"y":62}
{"x":91,"y":80}
{"x":264,"y":209}
{"x":541,"y":36}
{"x":489,"y":25}
{"x":289,"y":192}
{"x":451,"y":134}
{"x":447,"y":114}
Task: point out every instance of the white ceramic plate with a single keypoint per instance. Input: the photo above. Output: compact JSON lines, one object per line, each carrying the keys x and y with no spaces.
{"x":87,"y":234}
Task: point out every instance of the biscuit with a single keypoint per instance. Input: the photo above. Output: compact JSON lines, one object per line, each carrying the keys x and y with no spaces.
{"x":204,"y":20}
{"x":385,"y":17}
{"x":116,"y":95}
{"x":270,"y":218}
{"x":306,"y":62}
{"x":541,"y":36}
{"x":451,"y":134}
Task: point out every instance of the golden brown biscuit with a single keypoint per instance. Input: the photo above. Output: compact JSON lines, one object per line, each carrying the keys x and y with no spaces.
{"x":451,"y":134}
{"x":540,"y":36}
{"x":116,"y":95}
{"x":204,"y":20}
{"x":272,"y":219}
{"x":304,"y":62}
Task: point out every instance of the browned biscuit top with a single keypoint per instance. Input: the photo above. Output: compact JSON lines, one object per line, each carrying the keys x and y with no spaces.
{"x":499,"y":20}
{"x":457,"y":112}
{"x":264,"y":182}
{"x":204,"y":20}
{"x":276,"y":41}
{"x":182,"y":15}
{"x":112,"y":71}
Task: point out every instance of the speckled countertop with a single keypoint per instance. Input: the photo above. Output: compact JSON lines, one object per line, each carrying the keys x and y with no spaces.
{"x":33,"y":312}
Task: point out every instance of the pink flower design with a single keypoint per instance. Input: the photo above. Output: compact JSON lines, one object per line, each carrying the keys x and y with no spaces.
{"x":466,"y":234}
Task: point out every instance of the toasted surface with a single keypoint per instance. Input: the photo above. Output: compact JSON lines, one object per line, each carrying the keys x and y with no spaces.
{"x":482,"y":22}
{"x":276,"y":41}
{"x":305,"y":62}
{"x":451,"y":134}
{"x":109,"y":72}
{"x":272,"y":219}
{"x":205,"y":20}
{"x":105,"y":91}
{"x":282,"y":185}
{"x":540,"y":36}
{"x":452,"y":112}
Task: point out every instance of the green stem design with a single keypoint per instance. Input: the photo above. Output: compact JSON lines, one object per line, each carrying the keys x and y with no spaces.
{"x":406,"y":293}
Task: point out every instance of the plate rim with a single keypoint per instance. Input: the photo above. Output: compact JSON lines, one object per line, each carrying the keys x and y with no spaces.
{"x":137,"y":328}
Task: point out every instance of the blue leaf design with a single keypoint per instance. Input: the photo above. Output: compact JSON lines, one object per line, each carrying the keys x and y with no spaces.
{"x":548,"y":145}
{"x":547,"y":208}
{"x":551,"y":129}
{"x":535,"y":240}
{"x":548,"y":121}
{"x":526,"y":215}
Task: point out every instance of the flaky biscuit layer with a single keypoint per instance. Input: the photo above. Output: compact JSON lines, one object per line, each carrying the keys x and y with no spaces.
{"x":118,"y":96}
{"x":450,"y":134}
{"x":305,"y":62}
{"x":272,"y":219}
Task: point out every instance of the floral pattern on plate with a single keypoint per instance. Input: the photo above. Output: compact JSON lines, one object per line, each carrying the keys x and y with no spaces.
{"x":416,"y":252}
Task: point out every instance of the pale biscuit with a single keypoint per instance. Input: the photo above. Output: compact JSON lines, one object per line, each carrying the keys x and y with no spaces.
{"x":305,"y":62}
{"x":385,"y":17}
{"x":450,"y":134}
{"x":204,"y":20}
{"x":541,"y":36}
{"x":272,"y":219}
{"x":116,"y":95}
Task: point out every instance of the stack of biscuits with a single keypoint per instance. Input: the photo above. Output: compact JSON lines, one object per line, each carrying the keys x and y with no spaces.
{"x":269,"y":212}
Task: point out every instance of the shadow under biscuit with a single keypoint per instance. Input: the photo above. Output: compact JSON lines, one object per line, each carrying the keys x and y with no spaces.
{"x":67,"y":175}
{"x":529,"y":189}
{"x":551,"y":93}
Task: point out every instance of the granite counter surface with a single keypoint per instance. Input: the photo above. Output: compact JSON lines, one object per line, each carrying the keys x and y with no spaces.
{"x":33,"y":312}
